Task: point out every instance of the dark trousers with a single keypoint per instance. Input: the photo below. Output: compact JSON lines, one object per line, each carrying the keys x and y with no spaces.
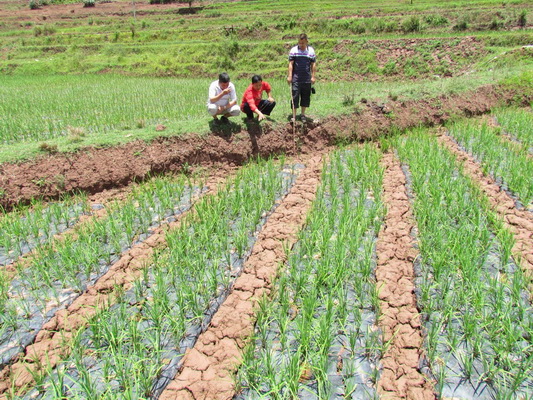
{"x":264,"y":106}
{"x":301,"y":94}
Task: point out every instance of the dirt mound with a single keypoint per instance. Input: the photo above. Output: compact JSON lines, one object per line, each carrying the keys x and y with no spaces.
{"x":93,"y":170}
{"x":414,"y":57}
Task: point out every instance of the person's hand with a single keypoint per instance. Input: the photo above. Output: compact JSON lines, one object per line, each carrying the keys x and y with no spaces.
{"x":271,"y":99}
{"x":221,"y":108}
{"x":226,"y":91}
{"x":261,"y":117}
{"x":289,"y":80}
{"x":313,"y":80}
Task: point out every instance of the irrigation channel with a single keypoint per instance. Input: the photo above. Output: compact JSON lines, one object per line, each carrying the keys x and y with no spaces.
{"x":302,"y":305}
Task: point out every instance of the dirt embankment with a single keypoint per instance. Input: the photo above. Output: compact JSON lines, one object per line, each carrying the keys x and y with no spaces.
{"x":93,"y":170}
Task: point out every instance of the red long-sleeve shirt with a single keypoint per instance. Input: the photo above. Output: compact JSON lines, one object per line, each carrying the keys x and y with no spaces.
{"x":253,"y":97}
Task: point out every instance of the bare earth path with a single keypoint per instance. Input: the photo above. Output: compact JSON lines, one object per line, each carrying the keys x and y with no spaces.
{"x":400,"y":320}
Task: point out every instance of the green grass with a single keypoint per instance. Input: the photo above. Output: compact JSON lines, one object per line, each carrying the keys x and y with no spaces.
{"x":157,"y":42}
{"x":355,"y":42}
{"x":72,"y":112}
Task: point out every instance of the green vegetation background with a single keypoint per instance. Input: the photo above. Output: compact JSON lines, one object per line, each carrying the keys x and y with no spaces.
{"x":93,"y":79}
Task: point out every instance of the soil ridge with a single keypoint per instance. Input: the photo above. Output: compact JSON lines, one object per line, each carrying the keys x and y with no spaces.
{"x":400,"y":321}
{"x":93,"y":170}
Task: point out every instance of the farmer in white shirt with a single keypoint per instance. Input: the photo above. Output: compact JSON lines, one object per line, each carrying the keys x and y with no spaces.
{"x":222,"y":99}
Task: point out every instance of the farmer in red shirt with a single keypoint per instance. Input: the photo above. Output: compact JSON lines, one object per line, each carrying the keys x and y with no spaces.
{"x":252,"y":101}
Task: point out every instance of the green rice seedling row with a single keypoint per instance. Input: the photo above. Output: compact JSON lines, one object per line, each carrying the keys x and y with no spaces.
{"x":317,"y":337}
{"x":473,"y":297}
{"x":25,"y":229}
{"x":518,"y":123}
{"x":510,"y":166}
{"x":62,"y":270}
{"x":69,"y":110}
{"x":131,"y":349}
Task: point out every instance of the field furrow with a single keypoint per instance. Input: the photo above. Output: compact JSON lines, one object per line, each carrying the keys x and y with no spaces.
{"x":400,"y":320}
{"x":506,"y":162}
{"x":517,"y":123}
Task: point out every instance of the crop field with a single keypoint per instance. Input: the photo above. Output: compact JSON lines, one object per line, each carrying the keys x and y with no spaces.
{"x":380,"y":249}
{"x":318,"y":331}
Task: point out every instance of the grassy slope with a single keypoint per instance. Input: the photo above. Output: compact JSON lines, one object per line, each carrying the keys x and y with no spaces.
{"x":358,"y":45}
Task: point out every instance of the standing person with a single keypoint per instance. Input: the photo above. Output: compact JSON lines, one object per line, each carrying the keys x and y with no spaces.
{"x":253,"y":102}
{"x":302,"y":69}
{"x":222,"y":99}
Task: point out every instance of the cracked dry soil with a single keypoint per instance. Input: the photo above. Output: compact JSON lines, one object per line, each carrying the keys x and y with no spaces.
{"x":400,"y":319}
{"x":209,"y":367}
{"x":52,"y":343}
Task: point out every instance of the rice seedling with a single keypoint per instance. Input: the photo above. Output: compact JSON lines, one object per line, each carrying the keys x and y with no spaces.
{"x":499,"y":158}
{"x":28,"y":227}
{"x":320,"y":305}
{"x":465,"y":288}
{"x":63,"y":269}
{"x":173,"y":298}
{"x":518,"y":123}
